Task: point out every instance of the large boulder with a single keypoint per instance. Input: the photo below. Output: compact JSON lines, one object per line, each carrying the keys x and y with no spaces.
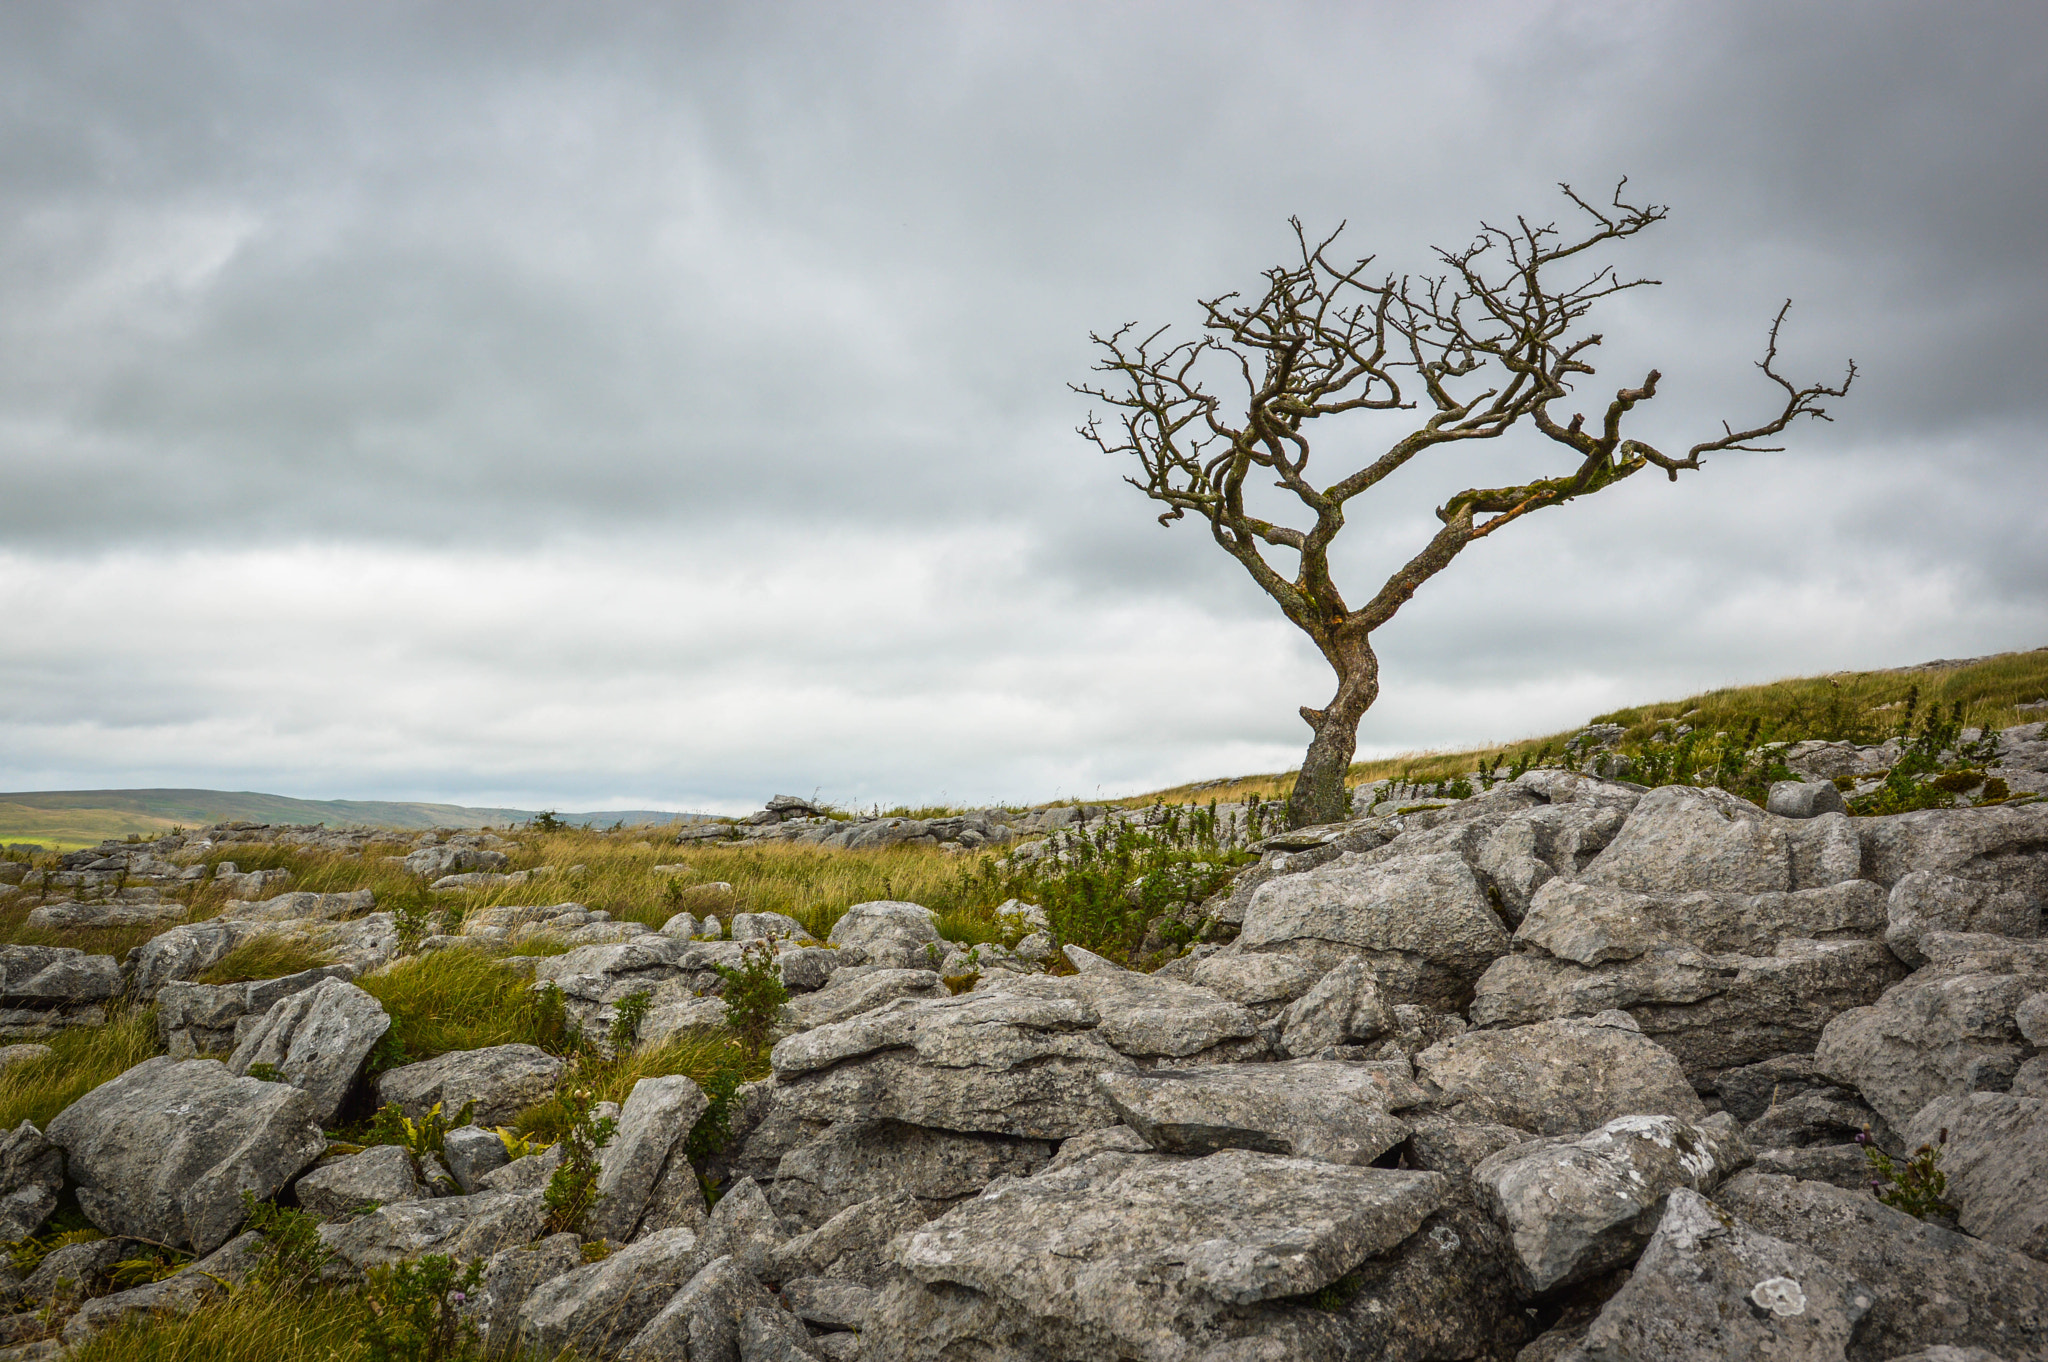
{"x":1680,"y":839}
{"x":1709,"y":1288}
{"x":1143,"y":1256}
{"x":44,"y":987}
{"x":1345,"y":1007}
{"x":854,"y":1163}
{"x":852,"y":990}
{"x":1996,"y":1162}
{"x":1712,"y":1011}
{"x":596,"y":1310}
{"x":1593,"y":924}
{"x":1584,"y":1204}
{"x":510,"y":1277}
{"x":379,"y":1176}
{"x":304,"y":907}
{"x":190,"y":949}
{"x":1312,"y":1109}
{"x":1938,"y":1034}
{"x":1558,"y":1077}
{"x":1929,"y":1285}
{"x":707,"y":1319}
{"x":2004,"y":846}
{"x":198,"y":1020}
{"x":432,"y":862}
{"x":165,"y":1151}
{"x":1927,"y":901}
{"x":643,"y":1167}
{"x":891,"y":934}
{"x":853,"y":1246}
{"x":318,"y":1039}
{"x":500,"y":1080}
{"x":460,"y":1227}
{"x":1422,"y":919}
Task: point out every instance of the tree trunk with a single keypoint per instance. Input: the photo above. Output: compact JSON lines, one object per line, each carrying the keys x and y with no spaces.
{"x":1319,"y":794}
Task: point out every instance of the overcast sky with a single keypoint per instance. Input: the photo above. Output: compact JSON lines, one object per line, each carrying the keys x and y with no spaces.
{"x":610,"y":405}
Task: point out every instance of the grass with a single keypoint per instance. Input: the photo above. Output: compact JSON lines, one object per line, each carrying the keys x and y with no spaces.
{"x":82,"y":1059}
{"x":703,"y":1053}
{"x":456,"y":1000}
{"x":265,"y":957}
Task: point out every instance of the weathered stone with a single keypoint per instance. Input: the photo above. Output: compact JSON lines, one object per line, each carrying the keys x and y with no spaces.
{"x":1422,"y":920}
{"x":1709,"y":1288}
{"x":1558,"y":1077}
{"x":596,"y":1310}
{"x":805,"y":970}
{"x":852,"y":1246}
{"x":432,"y":862}
{"x":75,"y":1272}
{"x":1996,"y":1161}
{"x":832,"y":1304}
{"x":188,"y":950}
{"x":1344,"y":1008}
{"x":304,"y":907}
{"x":1838,"y":1165}
{"x":500,"y":1080}
{"x":165,"y":1151}
{"x":1148,"y":1018}
{"x":379,"y":1176}
{"x":194,"y":1285}
{"x":1929,"y":1284}
{"x":2006,"y":846}
{"x":1712,"y":1011}
{"x":510,"y":1277}
{"x":1140,"y":1260}
{"x":318,"y":1039}
{"x":769,"y":927}
{"x":462,"y":1227}
{"x":1933,"y":1036}
{"x":770,"y":1333}
{"x":703,"y":1321}
{"x":1592,"y":924}
{"x":744,"y":1226}
{"x":896,"y":935}
{"x":1311,"y":1109}
{"x":855,"y":1163}
{"x":1815,"y":1116}
{"x":643,"y":1153}
{"x":197,"y":1020}
{"x":31,"y":1176}
{"x":1927,"y":901}
{"x":472,"y":1152}
{"x":854,"y":990}
{"x":24,"y":1052}
{"x":1446,"y":1291}
{"x":1581,"y":1205}
{"x":1748,"y":1091}
{"x":56,"y":979}
{"x":1804,"y":799}
{"x":1252,"y":979}
{"x":1437,"y":1144}
{"x":1680,"y":839}
{"x":66,"y":915}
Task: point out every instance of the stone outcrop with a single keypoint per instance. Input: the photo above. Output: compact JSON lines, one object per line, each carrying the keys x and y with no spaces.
{"x":494,"y":1084}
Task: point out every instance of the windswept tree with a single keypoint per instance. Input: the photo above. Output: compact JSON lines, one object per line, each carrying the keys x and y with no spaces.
{"x":1487,"y":346}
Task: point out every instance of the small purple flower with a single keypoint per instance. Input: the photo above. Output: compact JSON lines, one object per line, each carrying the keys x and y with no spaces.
{"x":1863,"y":1137}
{"x":458,"y":1297}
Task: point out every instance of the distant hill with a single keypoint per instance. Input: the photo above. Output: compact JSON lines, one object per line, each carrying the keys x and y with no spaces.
{"x":70,"y":818}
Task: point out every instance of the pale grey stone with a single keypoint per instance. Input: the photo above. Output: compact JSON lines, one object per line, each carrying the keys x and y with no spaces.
{"x":462,"y":1227}
{"x":896,"y":935}
{"x":379,"y":1176}
{"x":855,"y":1163}
{"x":1838,"y":1165}
{"x":1748,"y":1090}
{"x":470,"y":1153}
{"x":744,"y":1226}
{"x":1143,"y":1259}
{"x":1581,"y":1205}
{"x":1344,"y":1008}
{"x":1251,"y":979}
{"x":1311,"y":1109}
{"x":1557,"y":1077}
{"x":1926,"y":901}
{"x":805,"y":970}
{"x":1709,"y":1288}
{"x":2005,"y":845}
{"x":1933,"y":1036}
{"x":25,"y":1052}
{"x":1804,"y":799}
{"x":1996,"y":1161}
{"x":54,"y":978}
{"x":532,"y":1173}
{"x":653,"y":1123}
{"x":76,"y":1272}
{"x":318,"y":1038}
{"x":770,"y":1333}
{"x":1930,"y":1284}
{"x":768,"y":927}
{"x":1712,"y":1011}
{"x":31,"y":1176}
{"x":67,"y":915}
{"x":832,"y":1304}
{"x":197,"y":1020}
{"x":597,"y":1309}
{"x":1680,"y":839}
{"x":702,"y":1322}
{"x":500,"y":1080}
{"x":1422,"y":920}
{"x":510,"y":1277}
{"x":1592,"y":924}
{"x":432,"y":862}
{"x":854,"y":1245}
{"x":165,"y":1151}
{"x":853,"y":990}
{"x":304,"y":907}
{"x":194,"y":1285}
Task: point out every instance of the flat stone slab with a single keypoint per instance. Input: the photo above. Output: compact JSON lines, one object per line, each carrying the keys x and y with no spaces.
{"x":1312,"y":1109}
{"x":1557,"y":1077}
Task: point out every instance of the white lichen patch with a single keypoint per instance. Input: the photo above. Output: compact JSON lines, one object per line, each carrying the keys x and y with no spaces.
{"x":1779,"y":1295}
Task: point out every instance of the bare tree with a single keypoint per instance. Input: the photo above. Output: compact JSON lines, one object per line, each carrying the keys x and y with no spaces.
{"x":1483,"y":348}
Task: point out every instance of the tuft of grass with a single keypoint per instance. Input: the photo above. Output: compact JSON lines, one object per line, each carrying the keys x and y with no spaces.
{"x":457,"y":1000}
{"x":703,"y":1053}
{"x":82,"y":1059}
{"x":264,"y":957}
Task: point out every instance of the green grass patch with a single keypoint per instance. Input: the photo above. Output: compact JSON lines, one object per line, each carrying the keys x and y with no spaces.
{"x":265,"y":957}
{"x":82,"y":1059}
{"x":457,"y":1000}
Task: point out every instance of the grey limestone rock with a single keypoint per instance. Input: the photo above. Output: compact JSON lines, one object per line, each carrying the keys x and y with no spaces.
{"x":1749,"y":1090}
{"x":319,"y":1039}
{"x":1252,"y":979}
{"x":1142,"y":1258}
{"x":462,"y":1227}
{"x":703,"y":1321}
{"x":197,"y":1020}
{"x":832,"y":1304}
{"x":500,"y":1080}
{"x":432,"y":862}
{"x":1712,"y":1011}
{"x":807,"y":969}
{"x":644,"y":1154}
{"x":77,"y":1272}
{"x":380,"y":1175}
{"x":1311,"y":1109}
{"x":1935,"y":1035}
{"x":1592,"y":924}
{"x":208,"y":1279}
{"x":510,"y":1277}
{"x":888,"y":933}
{"x":1926,"y":901}
{"x":31,"y":1176}
{"x":66,"y":915}
{"x":599,"y":1308}
{"x":855,"y":1163}
{"x":854,"y":1245}
{"x":1584,"y":1204}
{"x":852,"y":990}
{"x":1557,"y":1077}
{"x":768,"y":927}
{"x":305,"y":907}
{"x":2005,"y":845}
{"x":56,"y":983}
{"x":1996,"y":1161}
{"x":1679,"y":839}
{"x":165,"y":1151}
{"x":470,"y":1153}
{"x":1421,"y":919}
{"x":1344,"y":1008}
{"x":1710,"y":1288}
{"x":1804,"y":799}
{"x":1929,"y":1284}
